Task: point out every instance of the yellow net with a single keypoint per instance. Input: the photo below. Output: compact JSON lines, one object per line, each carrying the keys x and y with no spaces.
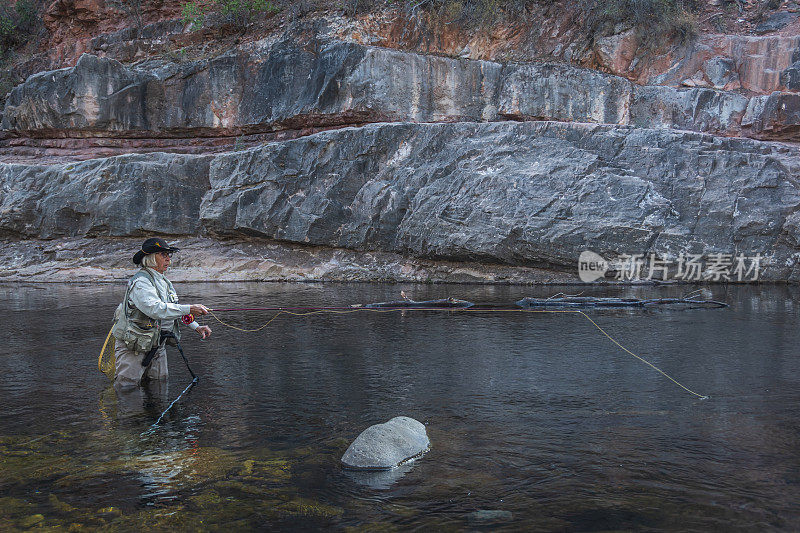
{"x":106,"y":362}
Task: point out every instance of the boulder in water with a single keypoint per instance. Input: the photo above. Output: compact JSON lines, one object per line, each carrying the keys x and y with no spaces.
{"x":385,"y":446}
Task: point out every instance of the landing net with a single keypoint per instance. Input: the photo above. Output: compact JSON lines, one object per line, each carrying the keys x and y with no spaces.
{"x":107,"y":362}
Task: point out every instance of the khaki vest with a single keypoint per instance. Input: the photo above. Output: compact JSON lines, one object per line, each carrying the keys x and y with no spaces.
{"x":139,"y":332}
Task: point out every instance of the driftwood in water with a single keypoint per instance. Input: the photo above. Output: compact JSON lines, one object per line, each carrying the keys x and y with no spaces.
{"x":592,"y":302}
{"x":444,"y":303}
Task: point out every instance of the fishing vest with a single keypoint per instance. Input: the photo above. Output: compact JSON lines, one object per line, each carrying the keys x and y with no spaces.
{"x":139,"y":332}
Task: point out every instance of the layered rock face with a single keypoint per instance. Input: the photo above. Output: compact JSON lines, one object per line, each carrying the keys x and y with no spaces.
{"x":528,"y":194}
{"x":285,"y":85}
{"x":525,"y":193}
{"x":423,"y":158}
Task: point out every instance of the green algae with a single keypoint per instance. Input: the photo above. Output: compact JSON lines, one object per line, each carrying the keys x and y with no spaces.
{"x":32,"y":442}
{"x":174,"y":518}
{"x":275,"y":470}
{"x":304,"y":507}
{"x":224,"y":492}
{"x":401,"y":510}
{"x":61,"y":507}
{"x":172,"y":470}
{"x":108,"y":512}
{"x":32,"y":520}
{"x":14,"y":507}
{"x":203,"y":464}
{"x":240,"y":487}
{"x":228,"y":511}
{"x":25,"y":466}
{"x":205,"y":499}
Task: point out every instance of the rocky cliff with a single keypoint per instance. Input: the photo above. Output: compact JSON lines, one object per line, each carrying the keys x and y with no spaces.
{"x":307,"y":154}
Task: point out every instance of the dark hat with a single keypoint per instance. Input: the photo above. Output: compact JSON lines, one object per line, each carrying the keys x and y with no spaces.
{"x":151,"y":246}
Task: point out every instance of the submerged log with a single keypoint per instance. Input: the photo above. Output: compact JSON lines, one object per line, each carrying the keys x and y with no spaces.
{"x":443,"y":303}
{"x":598,"y":302}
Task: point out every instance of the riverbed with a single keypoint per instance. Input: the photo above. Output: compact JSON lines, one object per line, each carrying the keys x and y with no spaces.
{"x":536,"y":421}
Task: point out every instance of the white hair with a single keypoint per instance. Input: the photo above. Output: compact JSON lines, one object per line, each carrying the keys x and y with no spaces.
{"x":149,"y":261}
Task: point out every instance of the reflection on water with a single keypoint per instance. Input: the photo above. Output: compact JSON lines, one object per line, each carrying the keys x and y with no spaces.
{"x":536,"y":421}
{"x":379,"y":479}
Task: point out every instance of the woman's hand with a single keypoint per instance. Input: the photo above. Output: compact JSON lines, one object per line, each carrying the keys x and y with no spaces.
{"x":204,"y":332}
{"x":198,"y":310}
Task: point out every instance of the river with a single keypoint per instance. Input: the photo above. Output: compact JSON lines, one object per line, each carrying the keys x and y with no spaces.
{"x":536,"y":421}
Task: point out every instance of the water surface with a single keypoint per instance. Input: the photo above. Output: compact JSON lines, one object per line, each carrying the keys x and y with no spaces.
{"x":537,"y":421}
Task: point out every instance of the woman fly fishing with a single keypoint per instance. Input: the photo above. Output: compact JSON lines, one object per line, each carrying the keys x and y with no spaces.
{"x":148,"y":318}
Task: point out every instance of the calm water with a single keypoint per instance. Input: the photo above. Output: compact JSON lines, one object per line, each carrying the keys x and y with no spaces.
{"x":537,"y":422}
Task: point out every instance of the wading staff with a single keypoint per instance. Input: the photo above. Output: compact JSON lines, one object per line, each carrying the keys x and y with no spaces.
{"x":170,"y":335}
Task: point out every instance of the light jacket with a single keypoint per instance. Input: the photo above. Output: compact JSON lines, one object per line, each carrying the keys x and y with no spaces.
{"x":150,"y":305}
{"x":159,"y":302}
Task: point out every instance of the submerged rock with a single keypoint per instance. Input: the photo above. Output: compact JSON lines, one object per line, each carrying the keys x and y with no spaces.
{"x":388,"y":445}
{"x":303,"y":507}
{"x":31,"y":520}
{"x":490,"y":515}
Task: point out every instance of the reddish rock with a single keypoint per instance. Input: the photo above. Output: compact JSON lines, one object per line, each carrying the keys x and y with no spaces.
{"x":73,"y":24}
{"x":616,"y":53}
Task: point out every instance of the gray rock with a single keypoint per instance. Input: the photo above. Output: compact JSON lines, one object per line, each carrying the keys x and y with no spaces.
{"x":534,"y":193}
{"x":104,"y":259}
{"x":699,"y":109}
{"x":721,"y":71}
{"x":132,"y":42}
{"x":790,"y":78}
{"x":531,"y":194}
{"x":125,"y":195}
{"x":774,"y":116}
{"x":562,"y":92}
{"x":379,"y":479}
{"x":388,"y":445}
{"x":775,"y":22}
{"x":276,"y":85}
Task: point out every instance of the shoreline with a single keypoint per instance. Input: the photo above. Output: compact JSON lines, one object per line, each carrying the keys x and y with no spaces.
{"x":104,"y":260}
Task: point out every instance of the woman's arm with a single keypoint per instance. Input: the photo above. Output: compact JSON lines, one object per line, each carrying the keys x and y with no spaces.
{"x":203,"y":331}
{"x":145,"y":298}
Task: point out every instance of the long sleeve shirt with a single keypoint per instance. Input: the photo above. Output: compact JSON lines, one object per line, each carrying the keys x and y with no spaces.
{"x":158,"y":302}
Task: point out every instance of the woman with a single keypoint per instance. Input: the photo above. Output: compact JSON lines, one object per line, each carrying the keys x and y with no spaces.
{"x":150,"y":307}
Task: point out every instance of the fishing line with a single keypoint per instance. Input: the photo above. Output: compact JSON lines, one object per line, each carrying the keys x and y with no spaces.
{"x":307,"y":311}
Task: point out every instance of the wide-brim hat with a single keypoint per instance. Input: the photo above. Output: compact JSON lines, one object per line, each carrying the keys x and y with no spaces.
{"x":151,"y":246}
